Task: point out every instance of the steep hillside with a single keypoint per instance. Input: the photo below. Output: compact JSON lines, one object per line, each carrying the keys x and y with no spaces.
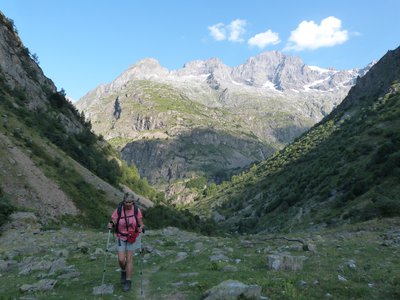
{"x":51,"y":162}
{"x":345,"y":169}
{"x":207,"y":119}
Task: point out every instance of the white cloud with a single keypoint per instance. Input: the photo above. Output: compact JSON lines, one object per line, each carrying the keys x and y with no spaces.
{"x":261,"y":40}
{"x":218,"y":31}
{"x":309,"y":35}
{"x":235,"y":30}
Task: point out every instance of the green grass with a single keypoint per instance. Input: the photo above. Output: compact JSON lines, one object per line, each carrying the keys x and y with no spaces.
{"x":375,"y":276}
{"x":344,"y":169}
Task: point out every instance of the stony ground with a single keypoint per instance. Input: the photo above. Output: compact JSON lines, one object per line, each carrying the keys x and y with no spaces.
{"x":355,"y":262}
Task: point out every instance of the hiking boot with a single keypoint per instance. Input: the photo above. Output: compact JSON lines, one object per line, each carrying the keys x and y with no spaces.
{"x":123,"y":277}
{"x":127,"y":285}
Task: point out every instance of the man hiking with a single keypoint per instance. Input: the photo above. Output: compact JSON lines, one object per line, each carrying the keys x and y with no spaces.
{"x":128,"y":224}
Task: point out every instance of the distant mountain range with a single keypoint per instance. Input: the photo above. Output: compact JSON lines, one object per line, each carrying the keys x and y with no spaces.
{"x":344,"y":169}
{"x":267,"y":75}
{"x":208,"y":119}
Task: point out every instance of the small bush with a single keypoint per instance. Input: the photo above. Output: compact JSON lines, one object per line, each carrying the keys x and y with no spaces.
{"x":197,"y":183}
{"x":384,"y":207}
{"x":6,"y":209}
{"x":160,"y":216}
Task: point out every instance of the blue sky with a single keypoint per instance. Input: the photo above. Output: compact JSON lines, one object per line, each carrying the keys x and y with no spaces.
{"x":83,"y":43}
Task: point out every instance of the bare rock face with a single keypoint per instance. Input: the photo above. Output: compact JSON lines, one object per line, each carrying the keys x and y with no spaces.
{"x":20,"y":71}
{"x":29,"y":97}
{"x":253,"y":110}
{"x":148,"y":69}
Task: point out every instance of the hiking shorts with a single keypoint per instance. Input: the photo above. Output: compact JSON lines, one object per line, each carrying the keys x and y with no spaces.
{"x":123,"y":246}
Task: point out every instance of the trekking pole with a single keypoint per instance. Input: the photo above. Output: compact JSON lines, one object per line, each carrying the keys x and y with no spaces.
{"x":105,"y":257}
{"x":141,"y":272}
{"x":140,"y":265}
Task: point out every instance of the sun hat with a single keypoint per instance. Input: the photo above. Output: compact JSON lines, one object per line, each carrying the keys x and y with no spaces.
{"x":129,"y":197}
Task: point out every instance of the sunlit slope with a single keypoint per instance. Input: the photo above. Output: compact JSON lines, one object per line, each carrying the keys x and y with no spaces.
{"x":345,"y":169}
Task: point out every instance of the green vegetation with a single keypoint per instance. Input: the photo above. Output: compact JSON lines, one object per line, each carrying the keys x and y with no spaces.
{"x":197,"y":183}
{"x":39,"y":130}
{"x":56,"y":122}
{"x":161,"y":216}
{"x":344,"y":169}
{"x":363,"y":256}
{"x":81,"y":144}
{"x":6,"y":208}
{"x":318,"y":278}
{"x":166,"y":98}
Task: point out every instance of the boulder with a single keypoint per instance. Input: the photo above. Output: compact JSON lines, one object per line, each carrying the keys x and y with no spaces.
{"x":231,"y":290}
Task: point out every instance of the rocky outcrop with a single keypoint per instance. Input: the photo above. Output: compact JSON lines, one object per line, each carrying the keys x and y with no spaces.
{"x":233,"y":289}
{"x":146,"y":122}
{"x":255,"y":109}
{"x":20,"y":72}
{"x":214,"y":153}
{"x":38,"y":128}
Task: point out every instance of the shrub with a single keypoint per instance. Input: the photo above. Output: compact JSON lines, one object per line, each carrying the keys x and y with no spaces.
{"x":360,"y":188}
{"x":57,"y":99}
{"x":197,"y":183}
{"x":6,"y":209}
{"x":211,"y":190}
{"x":160,"y":216}
{"x":382,"y":207}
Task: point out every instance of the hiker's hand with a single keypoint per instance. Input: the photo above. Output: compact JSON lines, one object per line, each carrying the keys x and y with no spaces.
{"x":110,"y":225}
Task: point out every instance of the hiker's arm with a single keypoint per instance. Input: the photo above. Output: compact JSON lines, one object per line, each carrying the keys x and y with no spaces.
{"x":141,"y":225}
{"x":140,"y":220}
{"x":113,"y":220}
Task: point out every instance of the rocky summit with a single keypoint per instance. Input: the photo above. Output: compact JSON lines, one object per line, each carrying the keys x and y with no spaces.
{"x":208,"y":119}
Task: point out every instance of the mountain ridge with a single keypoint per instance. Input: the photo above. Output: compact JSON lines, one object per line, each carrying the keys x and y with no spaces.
{"x":51,"y":162}
{"x":259,"y":71}
{"x":271,"y":98}
{"x":343,"y":170}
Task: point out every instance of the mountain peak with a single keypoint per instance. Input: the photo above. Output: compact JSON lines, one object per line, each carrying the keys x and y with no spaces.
{"x":202,"y":67}
{"x":147,"y":68}
{"x":266,"y":74}
{"x":147,"y":62}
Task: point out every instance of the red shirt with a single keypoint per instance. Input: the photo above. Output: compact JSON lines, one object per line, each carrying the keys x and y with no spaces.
{"x":122,"y":232}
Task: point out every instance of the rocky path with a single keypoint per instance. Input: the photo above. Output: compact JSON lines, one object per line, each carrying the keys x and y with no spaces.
{"x":177,"y":265}
{"x":143,"y":287}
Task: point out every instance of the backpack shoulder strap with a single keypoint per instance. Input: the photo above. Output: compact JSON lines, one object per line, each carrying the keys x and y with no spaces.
{"x":135,"y":212}
{"x":119,"y":209}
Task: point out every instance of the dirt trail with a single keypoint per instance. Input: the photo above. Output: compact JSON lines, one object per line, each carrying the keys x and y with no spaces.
{"x":143,"y":289}
{"x":143,"y":286}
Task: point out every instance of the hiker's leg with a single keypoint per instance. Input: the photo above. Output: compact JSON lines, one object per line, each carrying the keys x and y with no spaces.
{"x":129,"y":265}
{"x":121,"y":245}
{"x":122,"y":260}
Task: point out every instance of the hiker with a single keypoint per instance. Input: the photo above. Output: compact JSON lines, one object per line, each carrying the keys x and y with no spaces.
{"x":128,"y":224}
